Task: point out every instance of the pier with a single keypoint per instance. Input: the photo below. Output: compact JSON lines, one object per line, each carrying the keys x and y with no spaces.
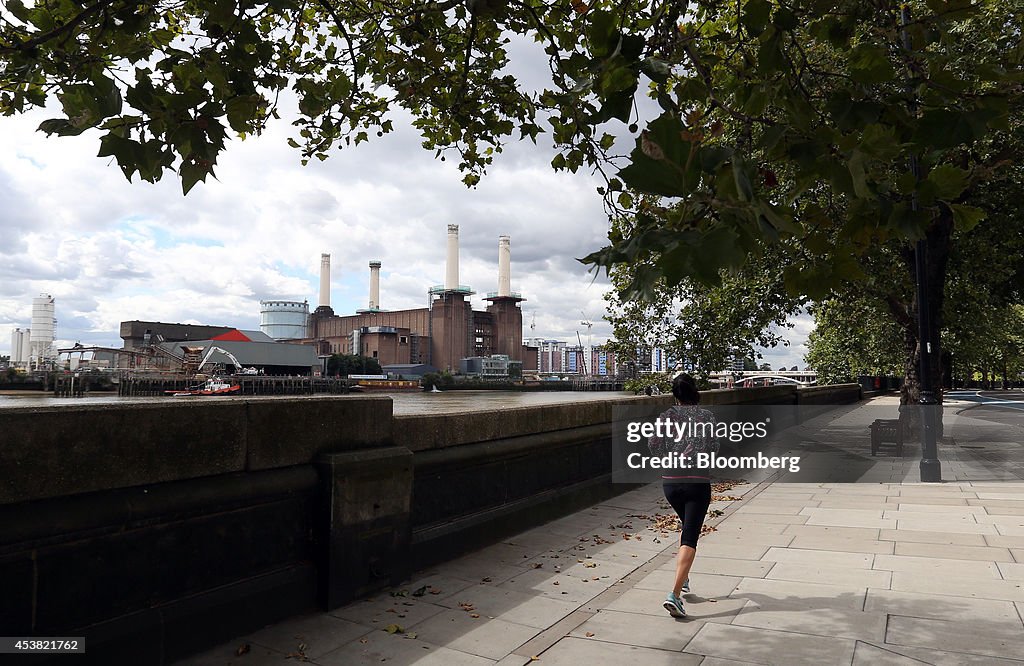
{"x":139,"y":386}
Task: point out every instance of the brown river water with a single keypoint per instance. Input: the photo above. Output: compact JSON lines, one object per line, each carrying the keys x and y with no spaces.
{"x":405,"y":402}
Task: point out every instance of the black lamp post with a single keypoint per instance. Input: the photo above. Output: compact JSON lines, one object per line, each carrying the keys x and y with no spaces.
{"x":931,"y":469}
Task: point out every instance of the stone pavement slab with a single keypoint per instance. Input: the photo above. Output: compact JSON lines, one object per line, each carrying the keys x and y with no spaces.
{"x":940,"y":658}
{"x":973,"y":587}
{"x":831,"y":575}
{"x":705,"y":585}
{"x":980,"y":553}
{"x":940,"y":566}
{"x":861,"y":533}
{"x":839,"y":622}
{"x":662,"y":631}
{"x":314,"y":635}
{"x":383,"y":648}
{"x":489,"y":637}
{"x":934,"y":537}
{"x":794,"y":593}
{"x":950,"y":636}
{"x":1002,"y":616}
{"x":574,"y":651}
{"x":867,"y":654}
{"x":828,"y":558}
{"x":526,"y":608}
{"x":770,"y":647}
{"x":842,"y":545}
{"x":728,"y":567}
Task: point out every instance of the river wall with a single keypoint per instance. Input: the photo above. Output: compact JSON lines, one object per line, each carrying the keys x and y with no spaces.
{"x":156,"y":530}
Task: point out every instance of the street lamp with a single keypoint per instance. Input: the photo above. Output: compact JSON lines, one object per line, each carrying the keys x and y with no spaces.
{"x":931,"y":469}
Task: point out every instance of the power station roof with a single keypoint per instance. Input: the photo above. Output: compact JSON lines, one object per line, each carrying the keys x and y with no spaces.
{"x":236,"y":335}
{"x":408,"y":368}
{"x":255,"y":353}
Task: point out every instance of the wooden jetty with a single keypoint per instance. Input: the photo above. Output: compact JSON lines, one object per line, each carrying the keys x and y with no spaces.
{"x":143,"y":385}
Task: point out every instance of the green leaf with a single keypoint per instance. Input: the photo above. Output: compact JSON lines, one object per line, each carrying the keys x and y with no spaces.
{"x":869,"y":63}
{"x":966,"y":217}
{"x":743,"y":186}
{"x":658,"y":160}
{"x":241,"y":111}
{"x":949,"y":181}
{"x":18,"y":9}
{"x":945,"y":128}
{"x":712,"y":157}
{"x":602,"y":34}
{"x":60,"y":127}
{"x":719,"y":248}
{"x":191,"y":174}
{"x":785,"y":19}
{"x":857,"y":173}
{"x":656,"y":70}
{"x":755,"y":16}
{"x":616,"y":79}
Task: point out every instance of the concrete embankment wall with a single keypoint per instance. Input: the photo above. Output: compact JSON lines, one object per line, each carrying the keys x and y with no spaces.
{"x":158,"y":529}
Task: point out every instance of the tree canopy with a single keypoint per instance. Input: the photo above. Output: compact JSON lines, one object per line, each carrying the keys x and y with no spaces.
{"x":824,"y":129}
{"x":352,"y":364}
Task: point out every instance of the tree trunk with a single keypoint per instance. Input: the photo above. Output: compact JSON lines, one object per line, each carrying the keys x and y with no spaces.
{"x":938,"y":241}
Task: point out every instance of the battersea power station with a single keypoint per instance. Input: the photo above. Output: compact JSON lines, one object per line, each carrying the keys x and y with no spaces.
{"x":439,"y":335}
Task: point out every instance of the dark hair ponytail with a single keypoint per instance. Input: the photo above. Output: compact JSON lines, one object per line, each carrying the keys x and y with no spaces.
{"x":684,"y":388}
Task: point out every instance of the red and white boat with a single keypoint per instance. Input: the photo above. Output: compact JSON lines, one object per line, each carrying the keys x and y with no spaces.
{"x":213,"y":386}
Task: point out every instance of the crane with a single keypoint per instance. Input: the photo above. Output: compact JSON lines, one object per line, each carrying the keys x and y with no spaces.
{"x":590,"y":342}
{"x":210,"y":351}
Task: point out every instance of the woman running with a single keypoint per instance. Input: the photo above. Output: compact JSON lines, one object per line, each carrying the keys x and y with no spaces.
{"x":689,"y":495}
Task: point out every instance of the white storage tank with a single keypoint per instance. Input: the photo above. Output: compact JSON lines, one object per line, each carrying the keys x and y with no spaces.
{"x":284,"y":320}
{"x":44,"y":327}
{"x":19,"y":346}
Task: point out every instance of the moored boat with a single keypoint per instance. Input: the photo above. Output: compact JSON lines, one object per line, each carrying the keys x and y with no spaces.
{"x":213,"y":386}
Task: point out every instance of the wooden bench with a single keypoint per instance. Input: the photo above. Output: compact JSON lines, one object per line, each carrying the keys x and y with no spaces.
{"x":888,"y":430}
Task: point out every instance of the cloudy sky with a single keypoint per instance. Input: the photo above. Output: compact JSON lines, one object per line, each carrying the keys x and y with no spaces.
{"x":110,"y":251}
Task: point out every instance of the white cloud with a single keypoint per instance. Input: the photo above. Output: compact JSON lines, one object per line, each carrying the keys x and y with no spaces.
{"x":110,"y":250}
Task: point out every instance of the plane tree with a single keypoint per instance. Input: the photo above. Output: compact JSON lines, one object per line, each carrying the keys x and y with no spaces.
{"x":824,"y":127}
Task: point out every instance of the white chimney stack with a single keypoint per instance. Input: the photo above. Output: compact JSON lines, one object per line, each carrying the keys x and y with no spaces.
{"x":374,"y":285}
{"x":504,"y":266}
{"x":325,"y":280}
{"x":451,"y":279}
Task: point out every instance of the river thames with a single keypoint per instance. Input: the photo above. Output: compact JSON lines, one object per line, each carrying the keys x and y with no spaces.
{"x":405,"y":402}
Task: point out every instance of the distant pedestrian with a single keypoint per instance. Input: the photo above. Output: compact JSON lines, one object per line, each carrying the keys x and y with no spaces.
{"x":689,"y":494}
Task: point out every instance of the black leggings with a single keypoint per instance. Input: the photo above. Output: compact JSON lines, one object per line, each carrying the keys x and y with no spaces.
{"x":691,"y":501}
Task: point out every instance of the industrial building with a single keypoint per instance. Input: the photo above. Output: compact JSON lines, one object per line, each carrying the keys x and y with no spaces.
{"x":32,"y":348}
{"x":176,"y":347}
{"x":284,"y":320}
{"x":440,"y":335}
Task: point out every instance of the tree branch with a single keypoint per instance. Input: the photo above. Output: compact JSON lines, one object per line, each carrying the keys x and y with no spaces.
{"x":60,"y":30}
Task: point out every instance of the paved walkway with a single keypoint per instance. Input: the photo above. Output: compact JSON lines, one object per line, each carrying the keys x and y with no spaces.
{"x":866,"y":573}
